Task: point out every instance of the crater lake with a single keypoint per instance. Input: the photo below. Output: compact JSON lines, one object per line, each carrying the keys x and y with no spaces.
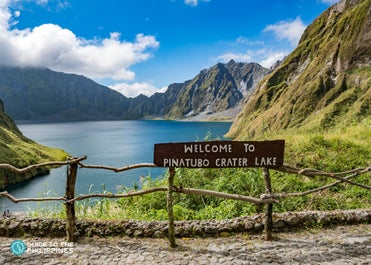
{"x":109,"y":143}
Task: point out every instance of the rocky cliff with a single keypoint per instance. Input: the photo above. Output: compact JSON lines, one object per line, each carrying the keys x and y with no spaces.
{"x":217,"y":89}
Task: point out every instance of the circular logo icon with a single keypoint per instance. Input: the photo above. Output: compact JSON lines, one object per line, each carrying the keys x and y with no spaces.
{"x":18,"y":247}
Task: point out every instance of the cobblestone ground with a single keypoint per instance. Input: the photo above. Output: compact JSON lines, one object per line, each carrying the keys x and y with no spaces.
{"x":340,"y":245}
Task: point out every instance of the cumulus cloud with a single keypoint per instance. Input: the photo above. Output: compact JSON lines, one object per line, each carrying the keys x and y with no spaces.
{"x":133,"y":90}
{"x":290,"y":30}
{"x":58,"y":48}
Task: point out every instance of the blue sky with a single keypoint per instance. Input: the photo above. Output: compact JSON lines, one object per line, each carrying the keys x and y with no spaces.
{"x":142,"y":46}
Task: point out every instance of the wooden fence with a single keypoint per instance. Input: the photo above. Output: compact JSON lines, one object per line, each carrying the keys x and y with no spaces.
{"x":268,"y":198}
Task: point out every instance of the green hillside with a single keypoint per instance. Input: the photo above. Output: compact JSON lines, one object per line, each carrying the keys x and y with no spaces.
{"x":17,"y":150}
{"x":325,"y":83}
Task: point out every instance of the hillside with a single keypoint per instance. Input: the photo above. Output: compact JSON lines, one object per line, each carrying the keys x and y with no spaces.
{"x":44,"y":95}
{"x":325,"y":83}
{"x":20,"y":151}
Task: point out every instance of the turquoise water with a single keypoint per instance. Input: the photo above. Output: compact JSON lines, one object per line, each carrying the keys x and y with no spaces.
{"x":110,"y":143}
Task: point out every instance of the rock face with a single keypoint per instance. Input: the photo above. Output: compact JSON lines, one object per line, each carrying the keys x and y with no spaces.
{"x":324,"y":82}
{"x":219,"y":88}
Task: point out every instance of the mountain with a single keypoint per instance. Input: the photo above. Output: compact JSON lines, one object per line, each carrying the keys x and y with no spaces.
{"x":44,"y":95}
{"x":215,"y":93}
{"x":155,"y":106}
{"x":217,"y":89}
{"x":20,"y":151}
{"x":35,"y":94}
{"x":324,"y":83}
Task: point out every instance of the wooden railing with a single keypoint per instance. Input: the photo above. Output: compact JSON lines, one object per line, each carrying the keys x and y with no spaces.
{"x":267,"y":198}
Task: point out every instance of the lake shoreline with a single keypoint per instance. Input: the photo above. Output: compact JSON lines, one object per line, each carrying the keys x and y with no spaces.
{"x":110,"y":143}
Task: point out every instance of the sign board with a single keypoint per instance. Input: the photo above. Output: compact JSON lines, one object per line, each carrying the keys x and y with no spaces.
{"x":220,"y":154}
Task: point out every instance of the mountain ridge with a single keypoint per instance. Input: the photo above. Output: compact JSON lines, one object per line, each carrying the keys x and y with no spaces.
{"x":47,"y":96}
{"x":42,"y":94}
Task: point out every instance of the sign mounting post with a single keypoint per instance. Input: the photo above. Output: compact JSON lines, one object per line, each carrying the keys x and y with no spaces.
{"x":217,"y":154}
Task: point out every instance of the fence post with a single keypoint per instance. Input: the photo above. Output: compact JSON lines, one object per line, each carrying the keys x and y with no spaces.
{"x":170,"y":211}
{"x":268,"y":221}
{"x":70,"y":206}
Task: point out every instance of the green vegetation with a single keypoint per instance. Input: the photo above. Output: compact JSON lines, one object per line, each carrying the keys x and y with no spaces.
{"x":333,"y":151}
{"x":325,"y":82}
{"x":19,"y":151}
{"x":318,"y":100}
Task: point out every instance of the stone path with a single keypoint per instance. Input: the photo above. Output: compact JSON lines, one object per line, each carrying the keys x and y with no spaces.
{"x":340,"y":245}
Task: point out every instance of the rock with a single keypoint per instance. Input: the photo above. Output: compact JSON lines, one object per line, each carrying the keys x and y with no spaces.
{"x":138,"y":233}
{"x":224,"y":234}
{"x":2,"y":108}
{"x":223,"y":228}
{"x":211,"y":230}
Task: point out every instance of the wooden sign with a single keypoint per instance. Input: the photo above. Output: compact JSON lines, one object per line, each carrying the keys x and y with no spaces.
{"x":220,"y":154}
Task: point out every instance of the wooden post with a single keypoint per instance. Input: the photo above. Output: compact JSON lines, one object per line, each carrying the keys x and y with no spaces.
{"x":170,"y":211}
{"x":268,"y":221}
{"x":70,"y":206}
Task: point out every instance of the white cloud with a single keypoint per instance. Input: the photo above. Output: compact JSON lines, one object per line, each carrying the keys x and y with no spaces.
{"x":263,"y":52}
{"x":4,"y":14}
{"x":246,"y":41}
{"x":329,"y":2}
{"x":41,"y":2}
{"x":63,"y":4}
{"x":51,"y":46}
{"x":239,"y":57}
{"x":135,"y":89}
{"x":271,"y":58}
{"x":264,"y":57}
{"x":290,"y":30}
{"x":194,"y":2}
{"x":59,"y":4}
{"x":191,"y":2}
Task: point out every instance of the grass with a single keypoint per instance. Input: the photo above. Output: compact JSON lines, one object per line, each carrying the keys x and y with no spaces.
{"x":337,"y":150}
{"x":19,"y":151}
{"x":326,"y":125}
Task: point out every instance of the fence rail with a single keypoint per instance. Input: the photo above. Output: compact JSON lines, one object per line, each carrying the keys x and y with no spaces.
{"x":267,"y":198}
